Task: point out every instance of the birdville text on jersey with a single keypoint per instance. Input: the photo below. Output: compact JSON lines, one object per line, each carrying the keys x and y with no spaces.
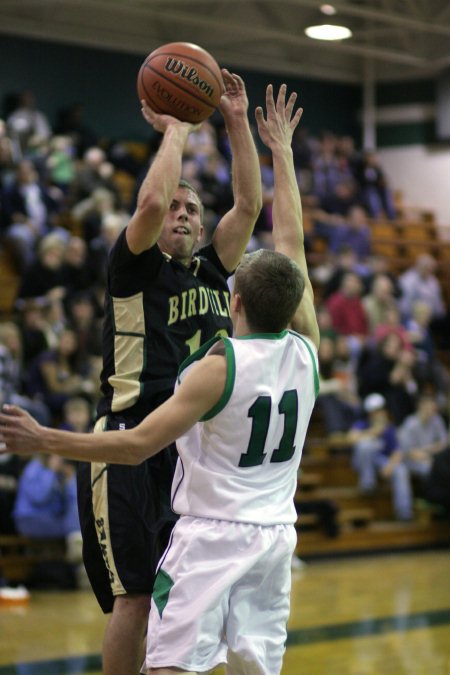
{"x":196,"y":302}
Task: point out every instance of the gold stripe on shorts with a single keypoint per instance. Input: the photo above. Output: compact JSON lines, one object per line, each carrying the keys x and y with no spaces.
{"x":99,"y":483}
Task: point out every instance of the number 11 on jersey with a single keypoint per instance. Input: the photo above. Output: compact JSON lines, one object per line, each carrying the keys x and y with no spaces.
{"x":260,"y":413}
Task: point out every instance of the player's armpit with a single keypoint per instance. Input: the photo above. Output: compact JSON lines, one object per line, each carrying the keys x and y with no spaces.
{"x":197,"y":394}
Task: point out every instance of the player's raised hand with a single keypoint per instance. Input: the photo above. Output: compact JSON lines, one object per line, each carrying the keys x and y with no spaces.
{"x":20,"y":432}
{"x":278,"y":126}
{"x":234,"y":100}
{"x":161,"y":122}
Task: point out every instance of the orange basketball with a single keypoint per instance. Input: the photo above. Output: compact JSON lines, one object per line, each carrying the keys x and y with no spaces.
{"x":181,"y":79}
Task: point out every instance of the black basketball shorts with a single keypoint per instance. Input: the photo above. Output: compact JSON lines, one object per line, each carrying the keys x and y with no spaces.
{"x":126,"y":520}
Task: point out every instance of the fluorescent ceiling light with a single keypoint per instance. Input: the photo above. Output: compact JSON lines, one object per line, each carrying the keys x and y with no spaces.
{"x":328,"y":32}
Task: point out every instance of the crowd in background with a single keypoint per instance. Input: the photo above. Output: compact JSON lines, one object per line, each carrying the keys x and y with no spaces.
{"x":65,"y":194}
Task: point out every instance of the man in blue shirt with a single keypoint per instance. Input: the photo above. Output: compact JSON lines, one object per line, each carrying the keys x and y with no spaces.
{"x":376,"y":453}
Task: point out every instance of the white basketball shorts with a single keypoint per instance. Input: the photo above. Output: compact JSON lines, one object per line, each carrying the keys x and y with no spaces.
{"x":222,"y":596}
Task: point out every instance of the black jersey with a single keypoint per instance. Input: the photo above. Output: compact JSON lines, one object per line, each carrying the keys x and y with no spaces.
{"x":157,"y":312}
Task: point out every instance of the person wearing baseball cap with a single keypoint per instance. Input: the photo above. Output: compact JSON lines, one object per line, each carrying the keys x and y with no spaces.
{"x":376,"y":454}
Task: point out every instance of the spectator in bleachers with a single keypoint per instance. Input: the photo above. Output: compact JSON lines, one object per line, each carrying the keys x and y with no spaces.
{"x":90,"y":211}
{"x":12,"y":386}
{"x":93,"y":172}
{"x":60,"y":162}
{"x":202,"y":143}
{"x":56,"y":374}
{"x":338,"y":399}
{"x":77,"y":415}
{"x":392,"y":324}
{"x":27,"y":213}
{"x":375,"y":194}
{"x":46,"y":503}
{"x":76,"y":272}
{"x":325,"y":323}
{"x":345,"y":261}
{"x":34,"y":329}
{"x":347,"y":154}
{"x":419,"y":282}
{"x":353,"y":232}
{"x":215,"y":187}
{"x":378,"y":264}
{"x":422,"y":435}
{"x":347,"y":312}
{"x":45,"y":277}
{"x":25,"y":122}
{"x":387,"y":369}
{"x":429,"y":370}
{"x":340,"y":200}
{"x":84,"y":318}
{"x":327,"y":171}
{"x":376,"y":453}
{"x":379,"y":302}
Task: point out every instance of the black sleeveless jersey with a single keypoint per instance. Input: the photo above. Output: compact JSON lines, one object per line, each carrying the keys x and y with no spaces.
{"x":157,"y":312}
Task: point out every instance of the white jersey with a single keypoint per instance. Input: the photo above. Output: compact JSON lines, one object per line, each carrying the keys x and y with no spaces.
{"x":240,"y":462}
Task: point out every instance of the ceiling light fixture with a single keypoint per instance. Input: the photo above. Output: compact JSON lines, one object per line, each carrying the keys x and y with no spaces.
{"x":328,"y":32}
{"x":328,"y":9}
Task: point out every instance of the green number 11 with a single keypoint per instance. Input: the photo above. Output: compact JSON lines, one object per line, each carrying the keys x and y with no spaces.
{"x":260,"y":413}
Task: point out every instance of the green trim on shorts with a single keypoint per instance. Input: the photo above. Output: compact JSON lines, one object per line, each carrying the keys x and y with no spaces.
{"x":161,"y":590}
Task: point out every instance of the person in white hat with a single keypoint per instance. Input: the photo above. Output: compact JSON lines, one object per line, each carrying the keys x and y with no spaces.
{"x":376,"y":453}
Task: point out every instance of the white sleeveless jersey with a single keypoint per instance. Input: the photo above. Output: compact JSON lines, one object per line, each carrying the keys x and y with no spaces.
{"x":240,"y":462}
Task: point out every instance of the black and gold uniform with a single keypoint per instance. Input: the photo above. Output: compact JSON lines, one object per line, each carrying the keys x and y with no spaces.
{"x":157,"y":312}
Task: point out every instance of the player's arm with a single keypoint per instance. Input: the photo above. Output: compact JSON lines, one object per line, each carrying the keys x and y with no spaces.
{"x":233,"y":232}
{"x":199,"y":392}
{"x":160,"y":183}
{"x":276,"y":132}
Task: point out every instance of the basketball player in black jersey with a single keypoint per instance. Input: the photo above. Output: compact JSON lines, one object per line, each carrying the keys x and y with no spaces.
{"x":162,"y":302}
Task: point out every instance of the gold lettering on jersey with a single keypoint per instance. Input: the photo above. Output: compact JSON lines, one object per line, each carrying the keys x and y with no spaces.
{"x":212,"y":301}
{"x":183,"y":305}
{"x":203,"y":301}
{"x":222,"y":311}
{"x":197,"y":302}
{"x":173,"y":309}
{"x":192,"y":299}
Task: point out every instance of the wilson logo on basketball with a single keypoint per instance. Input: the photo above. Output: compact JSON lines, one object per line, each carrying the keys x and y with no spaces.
{"x":189,"y":73}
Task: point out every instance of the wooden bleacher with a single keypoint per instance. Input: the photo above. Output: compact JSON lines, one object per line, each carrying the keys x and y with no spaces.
{"x":19,"y":555}
{"x":366,"y":521}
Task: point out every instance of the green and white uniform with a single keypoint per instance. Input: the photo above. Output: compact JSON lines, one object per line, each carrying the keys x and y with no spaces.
{"x":222,"y":591}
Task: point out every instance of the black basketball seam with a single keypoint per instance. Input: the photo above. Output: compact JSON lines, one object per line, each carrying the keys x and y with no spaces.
{"x":183,"y":56}
{"x":176,"y":84}
{"x":149,"y":97}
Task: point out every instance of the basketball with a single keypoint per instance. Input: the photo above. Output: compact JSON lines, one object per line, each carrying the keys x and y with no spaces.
{"x":181,"y":79}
